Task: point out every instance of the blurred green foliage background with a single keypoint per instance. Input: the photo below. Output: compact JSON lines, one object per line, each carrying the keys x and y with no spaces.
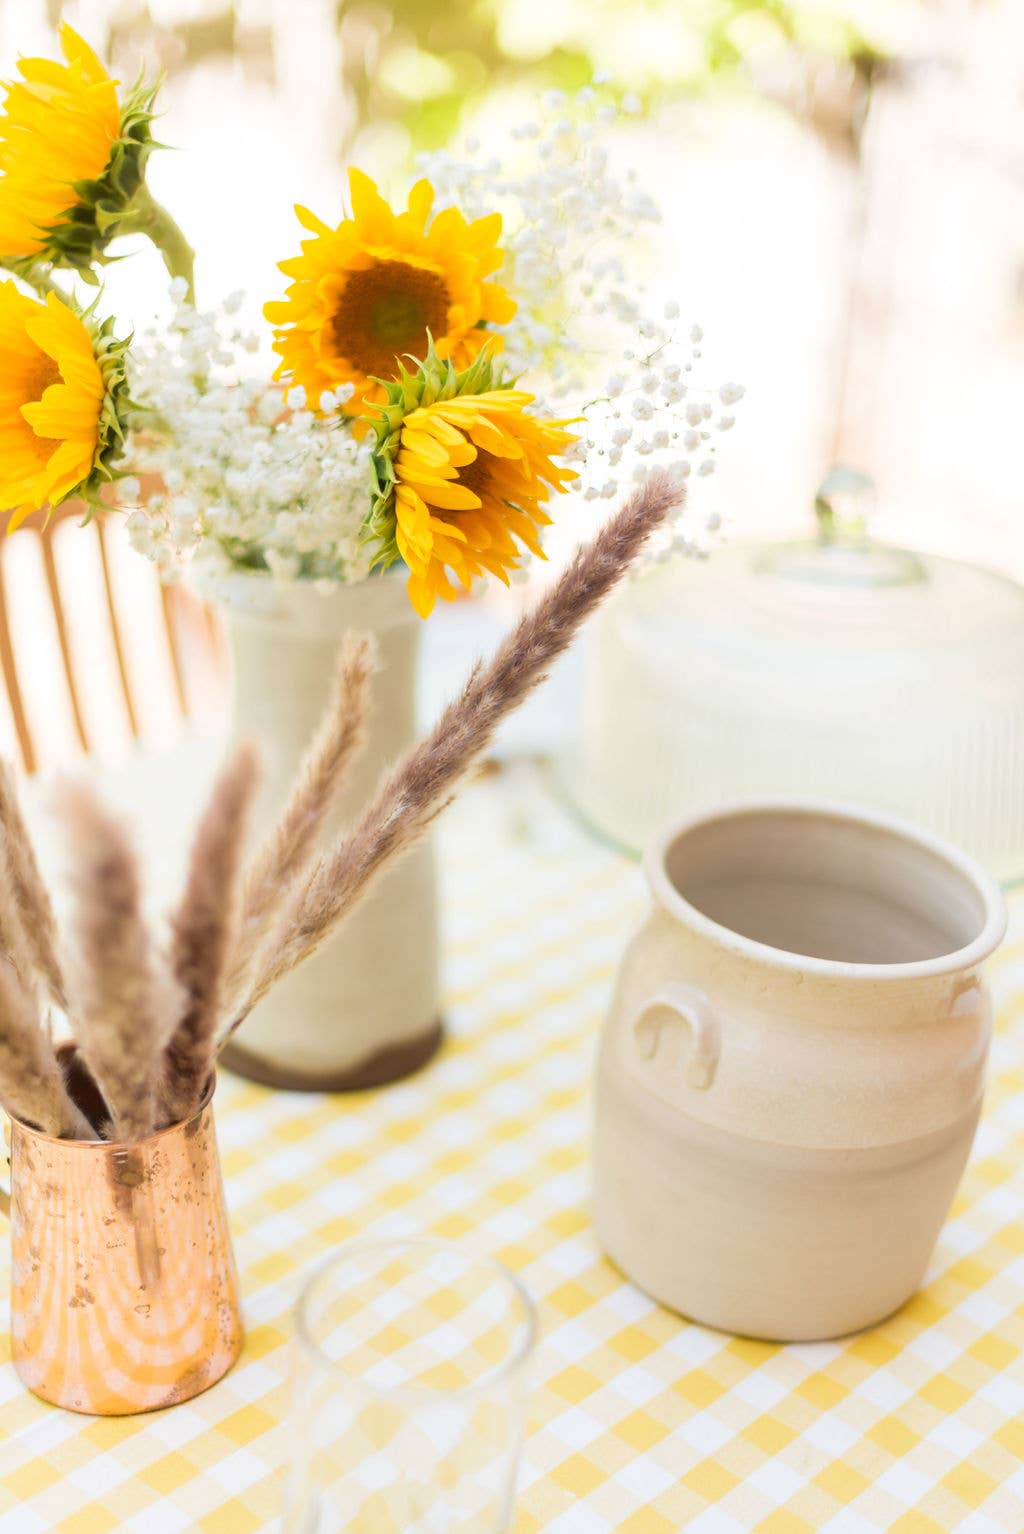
{"x":426,"y":66}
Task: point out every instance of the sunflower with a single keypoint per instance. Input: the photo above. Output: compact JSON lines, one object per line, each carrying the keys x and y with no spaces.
{"x":379,"y":287}
{"x":62,"y":392}
{"x":461,"y":470}
{"x":72,"y":158}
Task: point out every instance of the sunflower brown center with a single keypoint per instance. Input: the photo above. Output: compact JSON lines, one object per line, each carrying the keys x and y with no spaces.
{"x":476,"y":476}
{"x":41,"y":373}
{"x":34,"y":381}
{"x":386,"y":311}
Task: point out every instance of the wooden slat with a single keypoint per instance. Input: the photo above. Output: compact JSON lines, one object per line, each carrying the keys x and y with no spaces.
{"x":60,"y":619}
{"x":10,"y":674}
{"x":169,"y":600}
{"x":115,"y":631}
{"x":216,"y":634}
{"x":186,"y":620}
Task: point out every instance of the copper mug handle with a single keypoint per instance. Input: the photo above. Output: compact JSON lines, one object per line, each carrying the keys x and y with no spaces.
{"x":688,"y":1005}
{"x":5,"y":1193}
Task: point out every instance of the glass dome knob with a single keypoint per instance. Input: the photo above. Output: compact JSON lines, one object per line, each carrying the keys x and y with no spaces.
{"x":843,"y":554}
{"x":845,"y":505}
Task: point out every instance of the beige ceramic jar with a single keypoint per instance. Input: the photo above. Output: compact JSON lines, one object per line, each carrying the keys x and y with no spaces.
{"x":365,"y":1009}
{"x":792,"y":1071}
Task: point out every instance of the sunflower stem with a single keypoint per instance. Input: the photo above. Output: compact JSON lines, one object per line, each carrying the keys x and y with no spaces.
{"x":146,"y":216}
{"x":38,"y":277}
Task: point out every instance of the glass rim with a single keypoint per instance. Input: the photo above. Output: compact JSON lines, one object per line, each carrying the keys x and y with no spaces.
{"x":493,"y":1377}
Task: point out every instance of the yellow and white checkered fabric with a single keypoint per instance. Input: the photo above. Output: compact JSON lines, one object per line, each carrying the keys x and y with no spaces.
{"x":641,"y":1423}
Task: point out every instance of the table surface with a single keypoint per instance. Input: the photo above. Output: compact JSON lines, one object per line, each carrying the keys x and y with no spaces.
{"x":641,"y":1422}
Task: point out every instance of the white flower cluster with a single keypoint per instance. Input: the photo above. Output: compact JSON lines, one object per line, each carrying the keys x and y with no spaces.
{"x":584,"y":328}
{"x":249,"y":477}
{"x":654,"y":414}
{"x":252,"y":479}
{"x":568,"y":220}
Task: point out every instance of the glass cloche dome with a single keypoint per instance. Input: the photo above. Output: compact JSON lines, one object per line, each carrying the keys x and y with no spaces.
{"x":836,"y":668}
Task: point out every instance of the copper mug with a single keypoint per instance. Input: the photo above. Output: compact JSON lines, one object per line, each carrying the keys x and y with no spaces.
{"x":124,"y":1290}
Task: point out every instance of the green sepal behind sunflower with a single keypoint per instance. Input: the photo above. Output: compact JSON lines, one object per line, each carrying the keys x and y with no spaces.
{"x":112,"y":357}
{"x":432,"y":379}
{"x":80,"y":240}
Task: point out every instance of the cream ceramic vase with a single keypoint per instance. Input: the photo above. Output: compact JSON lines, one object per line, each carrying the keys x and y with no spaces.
{"x":365,"y":1009}
{"x":792,"y":1071}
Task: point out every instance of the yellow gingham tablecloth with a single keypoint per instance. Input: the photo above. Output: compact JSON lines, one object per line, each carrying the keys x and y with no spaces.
{"x":641,"y":1423}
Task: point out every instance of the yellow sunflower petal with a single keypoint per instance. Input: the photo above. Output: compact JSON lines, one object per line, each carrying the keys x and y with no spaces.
{"x":66,"y":469}
{"x":452,"y":530}
{"x":496,"y":305}
{"x":57,"y":127}
{"x":434,"y":424}
{"x":77,"y":51}
{"x":421,"y":200}
{"x":472,"y":473}
{"x":447,"y":495}
{"x":421,"y":594}
{"x":485,"y":232}
{"x":52,"y":395}
{"x":63,"y":412}
{"x":489,"y":435}
{"x":424,"y":446}
{"x":310,"y":221}
{"x":368,"y":206}
{"x":377,"y":288}
{"x":19,"y":513}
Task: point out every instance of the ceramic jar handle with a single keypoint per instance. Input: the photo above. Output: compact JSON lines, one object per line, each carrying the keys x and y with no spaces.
{"x":690,"y":1006}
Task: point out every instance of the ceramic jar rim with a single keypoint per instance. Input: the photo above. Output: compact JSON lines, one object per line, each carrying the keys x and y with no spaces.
{"x":304,"y":608}
{"x":957,"y":960}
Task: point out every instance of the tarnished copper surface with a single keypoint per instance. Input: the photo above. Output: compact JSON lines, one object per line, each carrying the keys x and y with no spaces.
{"x":124,"y":1291}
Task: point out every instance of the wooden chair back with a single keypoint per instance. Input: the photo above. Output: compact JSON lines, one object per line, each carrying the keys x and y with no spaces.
{"x":97,"y":657}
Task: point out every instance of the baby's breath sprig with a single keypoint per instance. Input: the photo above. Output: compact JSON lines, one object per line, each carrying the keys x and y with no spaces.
{"x":585,"y":326}
{"x":252,"y":478}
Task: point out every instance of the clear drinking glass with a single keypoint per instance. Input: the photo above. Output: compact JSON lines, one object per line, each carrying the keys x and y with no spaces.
{"x":410,"y":1392}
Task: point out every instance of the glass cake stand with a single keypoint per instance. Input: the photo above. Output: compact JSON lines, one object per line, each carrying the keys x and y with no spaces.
{"x":836,"y":668}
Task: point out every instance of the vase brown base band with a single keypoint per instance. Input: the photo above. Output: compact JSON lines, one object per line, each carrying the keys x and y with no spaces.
{"x":377,"y":1070}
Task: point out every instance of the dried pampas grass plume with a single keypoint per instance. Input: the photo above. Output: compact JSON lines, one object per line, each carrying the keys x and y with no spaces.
{"x":289,"y":849}
{"x":14,"y":944}
{"x":147,"y":1026}
{"x":123,"y":1002}
{"x":31,"y":1081}
{"x":420,"y":787}
{"x":203,"y":930}
{"x":28,"y":902}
